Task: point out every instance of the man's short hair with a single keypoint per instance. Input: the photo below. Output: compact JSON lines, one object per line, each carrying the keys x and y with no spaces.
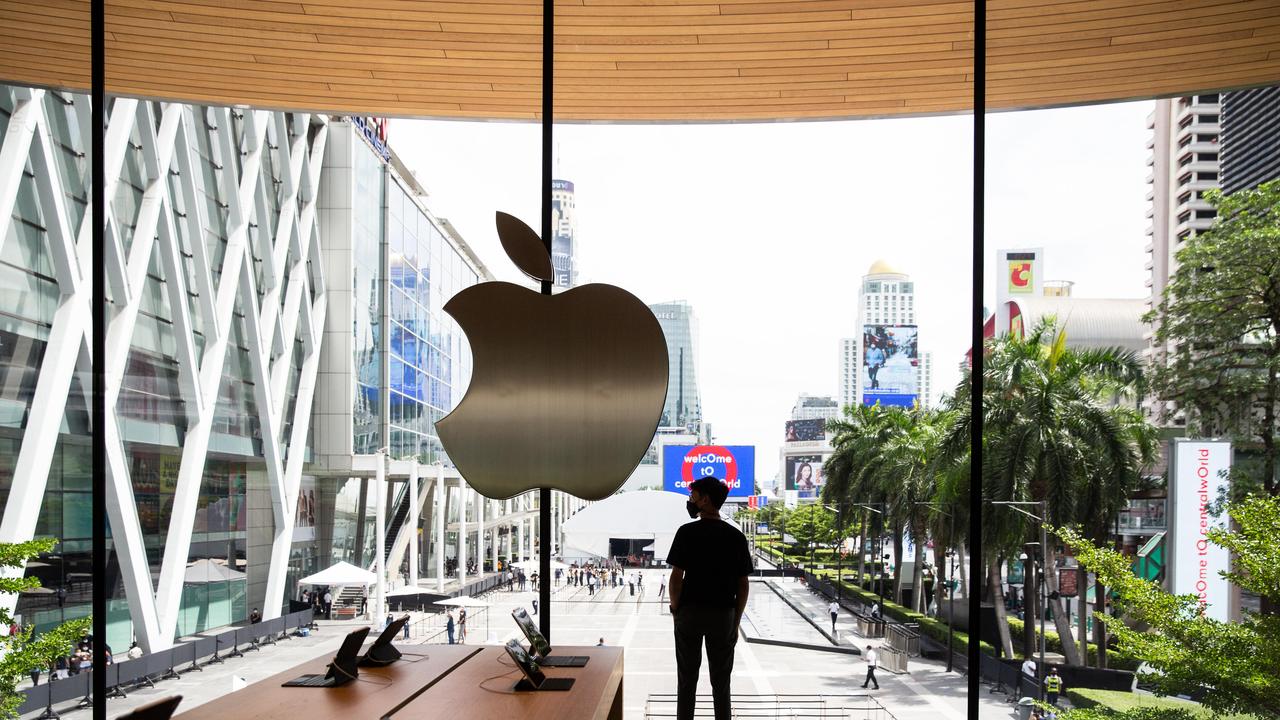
{"x":712,"y":489}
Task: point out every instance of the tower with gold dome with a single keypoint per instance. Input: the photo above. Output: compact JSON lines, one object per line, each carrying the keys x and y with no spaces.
{"x":886,"y":298}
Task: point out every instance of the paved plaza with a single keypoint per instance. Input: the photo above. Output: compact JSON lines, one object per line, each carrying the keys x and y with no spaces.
{"x":641,"y":624}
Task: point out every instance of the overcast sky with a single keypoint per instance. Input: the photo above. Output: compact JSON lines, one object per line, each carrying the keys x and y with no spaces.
{"x":766,"y":229}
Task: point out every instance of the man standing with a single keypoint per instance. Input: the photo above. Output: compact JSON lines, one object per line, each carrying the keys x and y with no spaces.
{"x":328,"y":604}
{"x":873,"y":660}
{"x":710,"y":563}
{"x":834,"y":609}
{"x":1053,"y":686}
{"x":1028,"y":675}
{"x":448,"y":626}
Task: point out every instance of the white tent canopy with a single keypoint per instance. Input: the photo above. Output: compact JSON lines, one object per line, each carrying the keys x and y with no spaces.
{"x":342,"y":573}
{"x":533,"y":566}
{"x":652,"y":515}
{"x":206,"y":571}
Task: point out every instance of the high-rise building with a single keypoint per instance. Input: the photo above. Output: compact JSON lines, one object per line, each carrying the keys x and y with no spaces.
{"x":1250,"y":138}
{"x":886,"y":303}
{"x":815,"y":407}
{"x":1185,"y":163}
{"x":684,"y":403}
{"x":563,"y":225}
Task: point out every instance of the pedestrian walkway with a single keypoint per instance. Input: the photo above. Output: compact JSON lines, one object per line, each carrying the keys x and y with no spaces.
{"x":813,"y":606}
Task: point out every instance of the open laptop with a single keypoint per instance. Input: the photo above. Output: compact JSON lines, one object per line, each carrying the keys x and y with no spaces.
{"x":343,"y":668}
{"x":539,"y":646}
{"x":382,"y":652}
{"x":534,"y":679}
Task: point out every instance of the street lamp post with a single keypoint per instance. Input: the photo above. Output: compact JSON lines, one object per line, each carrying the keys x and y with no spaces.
{"x":1044,"y":554}
{"x":950,"y":569}
{"x":884,"y":557}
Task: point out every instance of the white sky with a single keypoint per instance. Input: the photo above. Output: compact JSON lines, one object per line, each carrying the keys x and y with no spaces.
{"x":767,"y":228}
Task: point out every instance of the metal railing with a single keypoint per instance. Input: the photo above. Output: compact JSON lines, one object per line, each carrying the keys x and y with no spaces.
{"x":794,"y":706}
{"x":904,"y":639}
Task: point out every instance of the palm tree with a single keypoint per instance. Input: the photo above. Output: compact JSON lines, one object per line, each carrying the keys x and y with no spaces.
{"x":1052,"y":433}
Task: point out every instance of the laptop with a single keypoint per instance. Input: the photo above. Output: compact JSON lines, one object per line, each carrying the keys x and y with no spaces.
{"x":534,"y":679}
{"x":539,"y":646}
{"x":382,"y":652}
{"x":343,"y":668}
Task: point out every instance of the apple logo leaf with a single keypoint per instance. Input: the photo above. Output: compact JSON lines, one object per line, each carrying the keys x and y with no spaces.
{"x":525,"y":248}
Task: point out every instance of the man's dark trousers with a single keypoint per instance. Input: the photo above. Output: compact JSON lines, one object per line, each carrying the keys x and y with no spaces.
{"x":871,"y":677}
{"x":693,"y":624}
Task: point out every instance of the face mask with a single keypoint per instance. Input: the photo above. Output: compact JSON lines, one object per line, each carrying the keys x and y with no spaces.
{"x":692,"y":509}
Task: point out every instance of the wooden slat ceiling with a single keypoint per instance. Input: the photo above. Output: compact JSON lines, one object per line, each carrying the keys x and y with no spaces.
{"x":641,"y":60}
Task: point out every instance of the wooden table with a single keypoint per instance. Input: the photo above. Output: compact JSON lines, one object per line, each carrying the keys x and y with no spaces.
{"x":378,"y":692}
{"x":482,"y":688}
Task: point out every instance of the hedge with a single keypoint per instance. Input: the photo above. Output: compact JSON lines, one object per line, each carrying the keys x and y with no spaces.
{"x":1121,"y":701}
{"x":1053,"y":643}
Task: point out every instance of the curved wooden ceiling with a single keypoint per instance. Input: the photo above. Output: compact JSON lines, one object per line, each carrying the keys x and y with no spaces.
{"x":640,"y":60}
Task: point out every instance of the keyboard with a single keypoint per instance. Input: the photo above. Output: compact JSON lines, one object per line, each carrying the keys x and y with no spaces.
{"x":309,"y":681}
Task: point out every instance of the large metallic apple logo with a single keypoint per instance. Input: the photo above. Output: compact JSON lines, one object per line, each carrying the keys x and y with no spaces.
{"x":566,"y":390}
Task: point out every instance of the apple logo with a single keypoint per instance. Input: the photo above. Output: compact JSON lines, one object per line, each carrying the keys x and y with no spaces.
{"x":566,"y":390}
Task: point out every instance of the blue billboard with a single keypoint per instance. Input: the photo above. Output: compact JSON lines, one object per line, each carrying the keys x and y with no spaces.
{"x":733,"y":464}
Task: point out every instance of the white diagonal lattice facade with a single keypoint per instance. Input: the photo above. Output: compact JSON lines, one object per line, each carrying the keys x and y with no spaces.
{"x":215,"y":319}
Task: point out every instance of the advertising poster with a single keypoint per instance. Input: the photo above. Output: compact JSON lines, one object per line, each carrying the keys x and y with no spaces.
{"x":1068,"y":585}
{"x":1198,"y":473}
{"x":735,"y":465}
{"x":804,"y":475}
{"x":890,"y":362}
{"x":806,"y":430}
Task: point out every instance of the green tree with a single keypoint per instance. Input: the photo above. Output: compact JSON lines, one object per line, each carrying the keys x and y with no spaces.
{"x":812,"y":524}
{"x":1238,"y":662}
{"x":1218,"y":325}
{"x":26,"y":651}
{"x":1055,"y":430}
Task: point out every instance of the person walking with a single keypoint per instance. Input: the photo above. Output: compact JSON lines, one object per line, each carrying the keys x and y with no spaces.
{"x":406,"y":631}
{"x":535,"y":606}
{"x":834,"y":609}
{"x":449,"y":626}
{"x":328,"y":604}
{"x":462,"y":626}
{"x":1053,"y":686}
{"x":710,"y":565}
{"x":873,"y":661}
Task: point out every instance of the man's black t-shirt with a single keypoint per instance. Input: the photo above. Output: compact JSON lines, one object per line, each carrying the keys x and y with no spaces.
{"x":713,"y":554}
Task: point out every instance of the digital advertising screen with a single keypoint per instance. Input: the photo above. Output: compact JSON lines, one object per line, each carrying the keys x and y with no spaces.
{"x":890,"y":365}
{"x":735,"y":465}
{"x":805,"y":430}
{"x":804,"y":475}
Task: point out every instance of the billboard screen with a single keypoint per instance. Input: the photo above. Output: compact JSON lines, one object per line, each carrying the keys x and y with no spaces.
{"x":890,"y":365}
{"x":734,"y":464}
{"x":1195,"y":481}
{"x":805,"y":430}
{"x":804,"y":475}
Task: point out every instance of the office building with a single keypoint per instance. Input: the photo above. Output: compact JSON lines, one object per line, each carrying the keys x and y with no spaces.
{"x":683,"y":408}
{"x":886,"y":299}
{"x":563,"y":243}
{"x":1185,"y":163}
{"x":1250,"y":138}
{"x":815,"y":407}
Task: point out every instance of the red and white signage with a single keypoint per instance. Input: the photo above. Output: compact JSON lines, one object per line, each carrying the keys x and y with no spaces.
{"x":1199,"y":472}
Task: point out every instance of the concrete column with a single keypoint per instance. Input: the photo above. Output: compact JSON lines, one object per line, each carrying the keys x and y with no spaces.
{"x":517,"y":529}
{"x":438,"y":513}
{"x":462,"y":534}
{"x":413,"y":524}
{"x":480,"y":503}
{"x":380,"y":538}
{"x":493,"y":559}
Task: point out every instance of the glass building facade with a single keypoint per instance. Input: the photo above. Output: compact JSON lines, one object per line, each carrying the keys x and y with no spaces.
{"x":684,"y":403}
{"x":200,"y":347}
